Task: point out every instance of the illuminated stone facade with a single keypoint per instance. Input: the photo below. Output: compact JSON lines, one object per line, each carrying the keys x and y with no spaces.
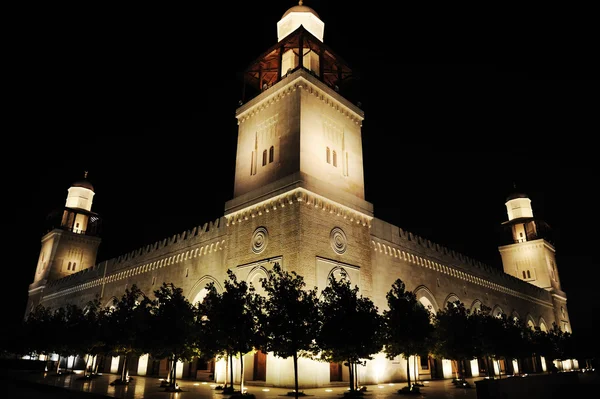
{"x":299,"y":200}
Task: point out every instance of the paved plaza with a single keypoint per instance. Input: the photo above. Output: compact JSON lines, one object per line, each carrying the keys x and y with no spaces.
{"x":149,"y":387}
{"x":26,"y":384}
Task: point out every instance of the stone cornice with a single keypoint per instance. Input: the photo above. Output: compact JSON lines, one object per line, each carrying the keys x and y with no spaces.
{"x":299,"y":80}
{"x":299,"y":195}
{"x":382,"y":247}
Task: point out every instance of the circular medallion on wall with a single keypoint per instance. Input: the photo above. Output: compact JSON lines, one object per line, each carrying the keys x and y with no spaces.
{"x":259,"y":240}
{"x":338,"y":240}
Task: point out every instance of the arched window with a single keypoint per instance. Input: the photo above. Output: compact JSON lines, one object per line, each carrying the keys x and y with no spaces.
{"x":264,"y":157}
{"x":334,"y":159}
{"x":524,"y":275}
{"x":271,"y":154}
{"x":69,"y":266}
{"x":74,"y":264}
{"x":328,"y":155}
{"x":528,"y":274}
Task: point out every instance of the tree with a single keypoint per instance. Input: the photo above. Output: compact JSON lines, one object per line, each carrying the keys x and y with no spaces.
{"x":553,"y":344}
{"x":515,"y":342}
{"x":128,"y":326}
{"x":242,"y":329}
{"x":291,"y":317}
{"x":487,"y":335}
{"x":352,"y":328}
{"x":68,"y":322}
{"x":232,"y":319}
{"x":172,"y":322}
{"x":454,"y":335}
{"x":211,"y":339}
{"x":39,"y":319}
{"x":90,"y":331}
{"x":408,"y":327}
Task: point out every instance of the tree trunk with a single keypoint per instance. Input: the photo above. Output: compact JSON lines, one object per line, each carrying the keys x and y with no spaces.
{"x":296,"y":375}
{"x":58,"y":365}
{"x":231,"y":370}
{"x":124,"y":369}
{"x":499,"y":369}
{"x":356,"y":376}
{"x":86,"y":365}
{"x":173,"y":381}
{"x":241,"y":373}
{"x":226,"y":369}
{"x":408,"y":370}
{"x":98,"y":364}
{"x":351,"y":375}
{"x":416,"y":370}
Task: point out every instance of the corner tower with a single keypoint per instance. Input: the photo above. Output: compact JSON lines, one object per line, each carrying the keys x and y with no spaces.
{"x":298,"y":129}
{"x":71,"y":243}
{"x":529,"y":254}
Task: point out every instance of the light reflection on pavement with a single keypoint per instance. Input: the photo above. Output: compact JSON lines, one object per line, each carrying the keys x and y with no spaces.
{"x":149,"y":387}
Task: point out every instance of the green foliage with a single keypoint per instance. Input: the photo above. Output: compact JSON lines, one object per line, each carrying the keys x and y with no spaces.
{"x":212,"y":321}
{"x":408,"y":325}
{"x":455,"y":334}
{"x":352,"y":329}
{"x":34,"y":341}
{"x":554,"y":344}
{"x":128,"y":325}
{"x":231,"y":319}
{"x":172,"y":322}
{"x":291,"y":319}
{"x":243,"y":315}
{"x":487,"y":333}
{"x":408,"y":329}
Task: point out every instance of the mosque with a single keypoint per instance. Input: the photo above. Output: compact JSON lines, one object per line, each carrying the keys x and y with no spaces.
{"x":299,"y":200}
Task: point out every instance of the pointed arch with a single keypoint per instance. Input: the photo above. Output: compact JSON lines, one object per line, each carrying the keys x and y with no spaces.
{"x":111,"y":302}
{"x":476,"y":306}
{"x":515,"y":315}
{"x":198,"y":291}
{"x":271,"y":154}
{"x":338,"y":272}
{"x":497,"y":311}
{"x":450,"y":298}
{"x":264,"y":158}
{"x":530,"y":321}
{"x":543,"y":325}
{"x":328,"y":155}
{"x":334,"y":158}
{"x":425,"y":296}
{"x":257,"y":273}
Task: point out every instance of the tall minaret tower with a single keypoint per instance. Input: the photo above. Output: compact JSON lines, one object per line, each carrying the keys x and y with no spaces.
{"x":530,"y":256}
{"x":71,"y":243}
{"x":297,"y":129}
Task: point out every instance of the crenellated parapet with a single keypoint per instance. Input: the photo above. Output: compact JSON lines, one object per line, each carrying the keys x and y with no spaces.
{"x":400,"y":245}
{"x":197,"y":242}
{"x":299,"y":196}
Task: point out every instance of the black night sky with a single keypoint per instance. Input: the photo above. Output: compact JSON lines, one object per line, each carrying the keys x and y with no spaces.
{"x":448,"y":130}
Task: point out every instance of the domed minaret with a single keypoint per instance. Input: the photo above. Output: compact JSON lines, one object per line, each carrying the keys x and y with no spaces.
{"x":530,"y":256}
{"x":296,"y":124}
{"x":71,"y":243}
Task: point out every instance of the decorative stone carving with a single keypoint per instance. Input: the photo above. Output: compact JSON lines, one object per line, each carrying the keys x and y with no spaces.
{"x":260,"y":239}
{"x":338,"y":240}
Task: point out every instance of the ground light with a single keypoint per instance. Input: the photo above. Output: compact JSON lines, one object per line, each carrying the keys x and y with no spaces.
{"x":266,"y":390}
{"x":329,"y":390}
